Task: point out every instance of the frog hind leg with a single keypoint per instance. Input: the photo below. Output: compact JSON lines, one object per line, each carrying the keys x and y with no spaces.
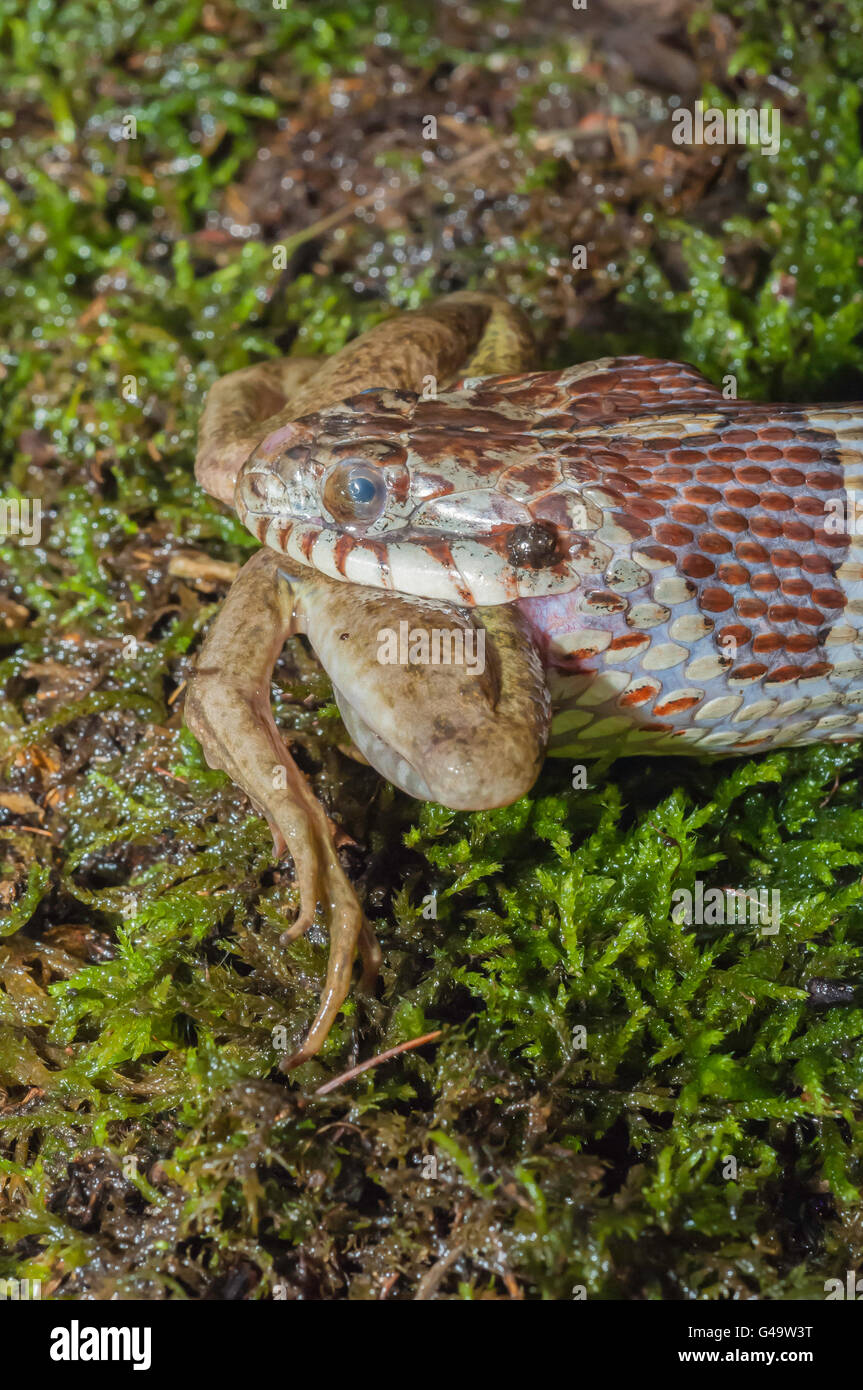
{"x":228,"y":710}
{"x":506,"y":344}
{"x":230,"y":427}
{"x":468,"y":333}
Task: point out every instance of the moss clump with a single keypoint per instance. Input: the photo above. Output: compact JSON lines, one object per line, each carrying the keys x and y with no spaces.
{"x":618,"y":1102}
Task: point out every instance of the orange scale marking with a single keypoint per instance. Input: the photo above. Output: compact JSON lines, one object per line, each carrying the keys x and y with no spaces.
{"x":816,"y":671}
{"x":782,"y":613}
{"x":637,"y":695}
{"x":829,"y":598}
{"x":752,"y":552}
{"x":765,"y":526}
{"x":644,"y":508}
{"x":674,"y":536}
{"x":661,"y":491}
{"x":765,"y":583}
{"x":776,"y":502}
{"x":725,"y":454}
{"x":801,"y":453}
{"x":638,"y":529}
{"x":697,"y":567}
{"x":703,"y":495}
{"x":666,"y":446}
{"x":797,"y":531}
{"x":732,"y":574}
{"x":736,"y":632}
{"x":715,"y":600}
{"x":767,"y":642}
{"x":751,"y":608}
{"x":675,"y":477}
{"x":714,"y":544}
{"x":630,"y":642}
{"x":660,"y":553}
{"x":796,"y":588}
{"x":730,"y":521}
{"x":611,"y":465}
{"x":671,"y":707}
{"x":789,"y":477}
{"x":751,"y":477}
{"x":785,"y":559}
{"x":783,"y":674}
{"x":809,"y":506}
{"x":741,"y":497}
{"x":688,"y":515}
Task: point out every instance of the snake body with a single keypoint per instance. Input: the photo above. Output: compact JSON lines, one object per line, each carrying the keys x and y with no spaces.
{"x":701,"y":587}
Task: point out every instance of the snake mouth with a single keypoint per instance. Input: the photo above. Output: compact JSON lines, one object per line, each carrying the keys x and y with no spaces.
{"x":523,"y":560}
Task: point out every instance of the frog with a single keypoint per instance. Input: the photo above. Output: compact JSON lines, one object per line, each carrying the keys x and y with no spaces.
{"x":496,"y":564}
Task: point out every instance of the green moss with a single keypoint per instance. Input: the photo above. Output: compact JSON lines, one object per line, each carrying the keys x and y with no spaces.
{"x":599,"y":1064}
{"x":791,"y":328}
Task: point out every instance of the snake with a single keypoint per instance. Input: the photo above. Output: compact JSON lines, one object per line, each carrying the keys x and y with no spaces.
{"x":647,"y":565}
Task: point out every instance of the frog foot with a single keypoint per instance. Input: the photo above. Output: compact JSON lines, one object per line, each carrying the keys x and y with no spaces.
{"x":228,"y":709}
{"x":300,"y":825}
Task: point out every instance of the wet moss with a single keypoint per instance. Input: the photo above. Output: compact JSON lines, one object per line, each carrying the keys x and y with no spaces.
{"x":618,"y":1102}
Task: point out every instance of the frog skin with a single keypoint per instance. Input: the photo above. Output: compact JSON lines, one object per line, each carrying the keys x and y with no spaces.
{"x":646,"y":566}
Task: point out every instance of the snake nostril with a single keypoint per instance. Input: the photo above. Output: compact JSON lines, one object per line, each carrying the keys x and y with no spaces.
{"x":262,"y":492}
{"x":534,"y":546}
{"x":266,"y":485}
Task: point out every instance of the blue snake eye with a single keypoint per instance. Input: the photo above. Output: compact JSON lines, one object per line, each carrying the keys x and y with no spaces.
{"x":354,"y":494}
{"x":361,"y":489}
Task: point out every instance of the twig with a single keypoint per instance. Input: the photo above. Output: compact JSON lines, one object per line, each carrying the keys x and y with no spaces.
{"x":428,"y":1285}
{"x":191,"y":564}
{"x":669,"y":840}
{"x":374,"y":1061}
{"x":830,"y":794}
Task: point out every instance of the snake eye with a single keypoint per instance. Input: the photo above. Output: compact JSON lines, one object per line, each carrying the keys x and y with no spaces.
{"x":354,"y":494}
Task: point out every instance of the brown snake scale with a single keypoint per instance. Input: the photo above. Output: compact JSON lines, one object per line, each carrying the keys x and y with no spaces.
{"x":708,"y":598}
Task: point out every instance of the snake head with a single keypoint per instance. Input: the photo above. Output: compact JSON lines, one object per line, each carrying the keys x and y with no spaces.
{"x":436,"y":498}
{"x":341,"y":467}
